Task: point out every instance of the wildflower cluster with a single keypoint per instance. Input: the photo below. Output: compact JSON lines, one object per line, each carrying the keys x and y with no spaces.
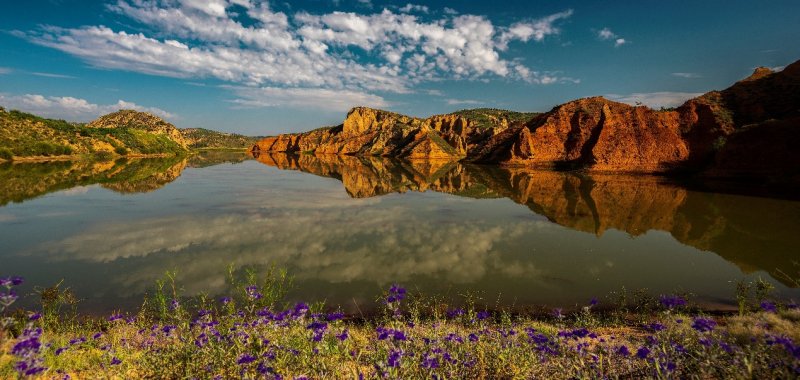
{"x":297,"y":341}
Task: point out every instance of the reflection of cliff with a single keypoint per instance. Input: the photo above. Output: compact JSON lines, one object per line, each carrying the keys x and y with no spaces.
{"x":752,"y":232}
{"x":206,"y":158}
{"x":20,"y":182}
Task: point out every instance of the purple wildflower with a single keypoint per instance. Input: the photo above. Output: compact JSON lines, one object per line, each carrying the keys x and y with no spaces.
{"x":483,"y":315}
{"x":769,"y":307}
{"x":300,"y":310}
{"x":35,"y":316}
{"x":335,"y":316}
{"x":623,"y":351}
{"x":253,"y":293}
{"x":28,"y":348}
{"x":430,"y":362}
{"x":225,"y":300}
{"x":246,"y":359}
{"x":703,"y":324}
{"x":642,"y":353}
{"x":396,"y":294}
{"x":6,"y":299}
{"x":115,"y":361}
{"x":455,"y":313}
{"x":655,"y":326}
{"x":394,"y":358}
{"x":672,"y":301}
{"x":343,"y":335}
{"x":319,"y":329}
{"x":115,"y":317}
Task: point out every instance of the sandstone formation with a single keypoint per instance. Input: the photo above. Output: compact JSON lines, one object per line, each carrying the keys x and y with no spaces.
{"x":747,"y":130}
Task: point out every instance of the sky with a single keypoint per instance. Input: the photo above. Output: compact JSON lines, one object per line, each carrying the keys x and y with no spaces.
{"x":263,"y":68}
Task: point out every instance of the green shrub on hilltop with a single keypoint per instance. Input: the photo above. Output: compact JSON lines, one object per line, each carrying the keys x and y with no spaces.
{"x":488,"y":117}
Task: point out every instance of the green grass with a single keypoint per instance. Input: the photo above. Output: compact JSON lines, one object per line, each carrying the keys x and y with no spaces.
{"x":255,"y":333}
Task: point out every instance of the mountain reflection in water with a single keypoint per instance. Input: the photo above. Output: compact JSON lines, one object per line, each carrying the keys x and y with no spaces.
{"x":755,"y":233}
{"x":540,"y":237}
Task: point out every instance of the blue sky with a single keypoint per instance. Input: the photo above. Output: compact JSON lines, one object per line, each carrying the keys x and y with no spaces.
{"x":264,"y":68}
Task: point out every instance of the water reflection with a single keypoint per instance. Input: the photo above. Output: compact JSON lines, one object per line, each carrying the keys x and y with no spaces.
{"x":20,"y":181}
{"x":575,"y":236}
{"x":755,"y":233}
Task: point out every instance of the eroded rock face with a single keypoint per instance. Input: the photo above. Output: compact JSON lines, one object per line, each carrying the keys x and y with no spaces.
{"x":591,"y":133}
{"x":367,"y":131}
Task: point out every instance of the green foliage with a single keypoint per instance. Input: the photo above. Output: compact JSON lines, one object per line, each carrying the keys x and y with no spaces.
{"x":719,"y":143}
{"x":59,"y":305}
{"x":6,"y":154}
{"x":29,"y":135}
{"x":488,"y":117}
{"x":207,"y":139}
{"x":441,"y":143}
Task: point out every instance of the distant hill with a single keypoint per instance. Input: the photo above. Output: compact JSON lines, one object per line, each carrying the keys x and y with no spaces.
{"x":201,"y":138}
{"x":122,"y":133}
{"x":749,"y":130}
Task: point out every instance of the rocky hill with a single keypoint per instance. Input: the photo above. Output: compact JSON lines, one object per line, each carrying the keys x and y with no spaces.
{"x":748,"y":130}
{"x":201,"y":138}
{"x":122,"y":133}
{"x":367,"y":131}
{"x":143,"y":121}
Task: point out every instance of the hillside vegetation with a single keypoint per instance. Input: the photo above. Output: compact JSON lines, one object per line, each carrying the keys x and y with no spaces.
{"x":123,"y":133}
{"x":489,"y":117}
{"x":201,"y":138}
{"x":26,"y":135}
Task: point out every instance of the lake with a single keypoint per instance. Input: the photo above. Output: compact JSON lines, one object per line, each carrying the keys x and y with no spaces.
{"x":348,"y":227}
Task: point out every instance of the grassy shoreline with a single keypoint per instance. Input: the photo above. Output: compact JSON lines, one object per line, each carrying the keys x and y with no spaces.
{"x":255,"y":334}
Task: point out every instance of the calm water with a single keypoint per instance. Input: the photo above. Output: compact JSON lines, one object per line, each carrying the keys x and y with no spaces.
{"x":348,"y":227}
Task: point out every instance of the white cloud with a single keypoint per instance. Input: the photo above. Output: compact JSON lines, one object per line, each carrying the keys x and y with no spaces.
{"x":383,"y":52}
{"x":606,"y":34}
{"x":52,"y":75}
{"x":536,"y":30}
{"x":454,"y":102}
{"x":408,"y":8}
{"x":687,"y":75}
{"x":319,"y":98}
{"x":449,"y":11}
{"x":4,"y":70}
{"x":70,"y":108}
{"x":656,"y":99}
